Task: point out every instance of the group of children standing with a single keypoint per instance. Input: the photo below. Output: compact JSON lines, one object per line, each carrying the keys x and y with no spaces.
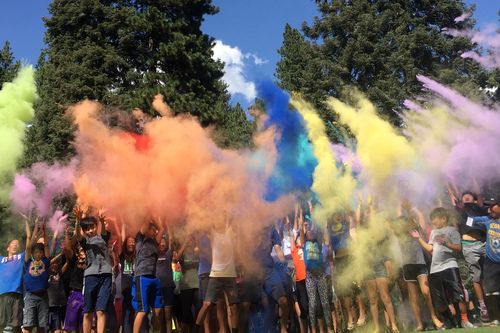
{"x":296,"y":277}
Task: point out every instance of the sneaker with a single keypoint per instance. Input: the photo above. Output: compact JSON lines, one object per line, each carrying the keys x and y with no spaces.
{"x":467,"y":324}
{"x":484,"y":316}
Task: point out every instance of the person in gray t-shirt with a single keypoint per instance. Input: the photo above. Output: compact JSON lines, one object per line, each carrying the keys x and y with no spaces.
{"x":444,"y":280}
{"x":93,"y":236}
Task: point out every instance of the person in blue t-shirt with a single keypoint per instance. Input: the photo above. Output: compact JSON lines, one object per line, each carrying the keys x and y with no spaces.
{"x":36,"y":281}
{"x":491,"y":266}
{"x":11,"y":293}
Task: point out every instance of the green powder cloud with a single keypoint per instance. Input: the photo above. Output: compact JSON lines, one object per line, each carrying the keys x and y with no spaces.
{"x":16,"y":109}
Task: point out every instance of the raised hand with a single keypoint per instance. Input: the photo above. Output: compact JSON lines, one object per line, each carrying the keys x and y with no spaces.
{"x":77,"y":210}
{"x":415,"y":234}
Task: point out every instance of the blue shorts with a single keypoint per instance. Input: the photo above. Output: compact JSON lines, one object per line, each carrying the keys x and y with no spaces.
{"x":275,"y":284}
{"x":96,"y":292}
{"x":146,"y":293}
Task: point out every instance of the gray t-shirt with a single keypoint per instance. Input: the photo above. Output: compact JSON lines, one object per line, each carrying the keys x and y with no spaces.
{"x":442,"y":256}
{"x":146,"y":249}
{"x":96,"y":250}
{"x":412,"y":252}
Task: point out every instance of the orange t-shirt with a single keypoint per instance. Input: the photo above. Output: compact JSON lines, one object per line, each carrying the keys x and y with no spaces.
{"x":299,"y":263}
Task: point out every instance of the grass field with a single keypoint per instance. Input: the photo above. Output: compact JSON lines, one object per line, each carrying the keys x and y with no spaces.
{"x":367,"y":329}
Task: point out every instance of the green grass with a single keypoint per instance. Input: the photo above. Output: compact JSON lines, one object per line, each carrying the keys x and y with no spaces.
{"x":368,"y":329}
{"x":475,"y":330}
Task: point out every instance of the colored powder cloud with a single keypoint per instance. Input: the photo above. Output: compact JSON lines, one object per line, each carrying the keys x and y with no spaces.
{"x":35,"y":189}
{"x":380,"y":148}
{"x":489,"y":41}
{"x":332,"y":187}
{"x":295,"y":160}
{"x":181,"y":176}
{"x":16,"y":110}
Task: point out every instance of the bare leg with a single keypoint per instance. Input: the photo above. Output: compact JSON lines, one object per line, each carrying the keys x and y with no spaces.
{"x":168,"y":318}
{"x":413,"y":296}
{"x":101,"y":321}
{"x":244,"y":310}
{"x":423,"y":281}
{"x":362,"y":309}
{"x":139,"y":318}
{"x":383,"y":287}
{"x":373,"y":299}
{"x":87,"y":322}
{"x":283,"y":312}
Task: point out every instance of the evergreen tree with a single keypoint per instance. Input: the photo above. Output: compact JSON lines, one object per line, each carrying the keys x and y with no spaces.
{"x":122,"y":53}
{"x":377,"y":47}
{"x":8,"y":65}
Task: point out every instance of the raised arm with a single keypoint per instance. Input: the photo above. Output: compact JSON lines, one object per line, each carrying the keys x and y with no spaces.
{"x":31,"y":240}
{"x":46,"y":249}
{"x":78,"y":229}
{"x":68,"y":246}
{"x":427,"y":247}
{"x":161,"y":107}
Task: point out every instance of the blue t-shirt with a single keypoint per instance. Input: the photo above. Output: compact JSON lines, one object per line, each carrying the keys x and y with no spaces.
{"x":11,"y":274}
{"x":36,"y":275}
{"x":339,"y":235}
{"x":262,"y":253}
{"x":492,"y":236}
{"x":313,"y":256}
{"x":205,"y":265}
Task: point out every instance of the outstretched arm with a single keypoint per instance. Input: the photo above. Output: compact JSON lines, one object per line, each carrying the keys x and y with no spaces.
{"x":427,"y":247}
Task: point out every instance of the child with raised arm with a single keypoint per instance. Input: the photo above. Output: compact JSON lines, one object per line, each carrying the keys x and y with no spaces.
{"x":222,"y":275}
{"x":11,"y":293}
{"x":36,"y":282}
{"x":165,"y":274}
{"x":146,"y":289}
{"x":91,"y":233}
{"x":445,"y":283}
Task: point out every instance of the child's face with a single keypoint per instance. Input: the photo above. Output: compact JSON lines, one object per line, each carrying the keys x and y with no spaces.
{"x":54,"y":267}
{"x":37,"y":254}
{"x":130,"y":245}
{"x":163,"y":245}
{"x":151,"y":231}
{"x":13,"y":247}
{"x":438,"y":222}
{"x":91,"y":230}
{"x":467,"y":198}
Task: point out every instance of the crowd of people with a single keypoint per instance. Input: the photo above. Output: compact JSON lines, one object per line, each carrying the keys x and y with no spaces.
{"x":99,"y":277}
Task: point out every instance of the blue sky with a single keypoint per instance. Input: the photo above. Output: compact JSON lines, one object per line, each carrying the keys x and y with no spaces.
{"x":249,"y":33}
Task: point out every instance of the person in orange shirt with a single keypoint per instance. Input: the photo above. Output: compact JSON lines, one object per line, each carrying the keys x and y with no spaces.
{"x":300,"y":275}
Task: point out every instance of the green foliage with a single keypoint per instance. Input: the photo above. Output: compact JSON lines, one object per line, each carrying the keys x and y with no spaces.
{"x":122,"y":53}
{"x":8,"y":65}
{"x":235,"y":131}
{"x":377,"y":47}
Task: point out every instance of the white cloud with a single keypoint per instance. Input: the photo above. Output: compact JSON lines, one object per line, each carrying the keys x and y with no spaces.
{"x":234,"y":69}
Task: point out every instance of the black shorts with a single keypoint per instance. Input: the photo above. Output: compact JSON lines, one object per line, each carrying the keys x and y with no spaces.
{"x":218,"y":286}
{"x":411,"y":272}
{"x":491,"y":271}
{"x":301,"y":293}
{"x":56,"y":317}
{"x":167,"y":293}
{"x":446,"y":287}
{"x":190,"y":304}
{"x":250,"y":290}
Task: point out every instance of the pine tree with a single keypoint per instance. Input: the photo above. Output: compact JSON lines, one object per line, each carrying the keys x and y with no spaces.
{"x":8,"y":65}
{"x":122,"y":53}
{"x":378,"y":47}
